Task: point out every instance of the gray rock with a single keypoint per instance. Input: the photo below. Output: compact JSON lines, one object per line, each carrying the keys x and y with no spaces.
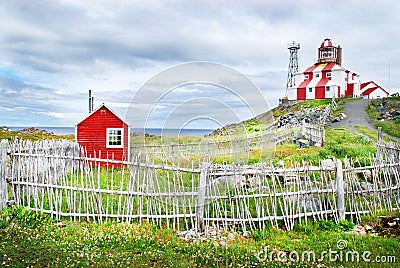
{"x":366,"y":185}
{"x":302,"y":143}
{"x":280,"y":164}
{"x":237,"y":181}
{"x":327,"y":164}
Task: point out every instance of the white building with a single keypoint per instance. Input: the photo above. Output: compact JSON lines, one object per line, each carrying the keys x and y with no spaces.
{"x":371,"y":90}
{"x":327,"y":78}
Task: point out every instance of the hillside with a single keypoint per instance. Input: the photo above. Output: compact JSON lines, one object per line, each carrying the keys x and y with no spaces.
{"x":308,"y":110}
{"x":383,"y":113}
{"x":386,"y":114}
{"x":33,"y":134}
{"x":348,"y":131}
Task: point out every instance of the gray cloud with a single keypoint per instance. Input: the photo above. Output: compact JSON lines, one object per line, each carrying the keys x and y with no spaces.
{"x":52,"y":52}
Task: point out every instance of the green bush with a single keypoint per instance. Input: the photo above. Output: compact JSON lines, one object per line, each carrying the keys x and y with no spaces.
{"x":329,"y":225}
{"x":345,"y":225}
{"x":23,"y":217}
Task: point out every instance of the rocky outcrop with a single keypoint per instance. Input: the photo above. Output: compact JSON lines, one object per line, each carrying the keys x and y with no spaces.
{"x":29,"y":130}
{"x":141,"y":134}
{"x":224,"y":131}
{"x":388,"y":109}
{"x":214,"y":235}
{"x":32,"y":130}
{"x":313,"y":115}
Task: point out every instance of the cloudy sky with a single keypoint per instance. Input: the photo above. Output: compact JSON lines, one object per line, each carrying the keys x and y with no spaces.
{"x":53,"y":51}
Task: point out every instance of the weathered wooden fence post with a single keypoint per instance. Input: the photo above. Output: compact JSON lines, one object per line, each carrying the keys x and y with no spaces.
{"x":201,"y":197}
{"x":322,"y":136}
{"x":340,"y":190}
{"x":378,"y":159}
{"x":3,"y":174}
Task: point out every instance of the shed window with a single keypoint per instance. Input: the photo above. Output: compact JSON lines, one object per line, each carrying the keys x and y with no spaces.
{"x":115,"y":137}
{"x":310,"y":89}
{"x":316,"y":75}
{"x":329,"y":74}
{"x":328,"y":88}
{"x":306,"y":76}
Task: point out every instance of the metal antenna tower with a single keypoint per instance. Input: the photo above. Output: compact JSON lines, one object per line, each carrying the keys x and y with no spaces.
{"x":293,"y":64}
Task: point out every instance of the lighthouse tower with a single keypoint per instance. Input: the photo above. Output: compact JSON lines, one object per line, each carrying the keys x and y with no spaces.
{"x":326,"y":78}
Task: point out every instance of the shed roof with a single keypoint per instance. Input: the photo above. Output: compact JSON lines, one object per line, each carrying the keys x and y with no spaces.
{"x":370,"y":90}
{"x":98,"y":108}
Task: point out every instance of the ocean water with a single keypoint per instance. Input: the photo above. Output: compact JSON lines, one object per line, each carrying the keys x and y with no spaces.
{"x":151,"y":131}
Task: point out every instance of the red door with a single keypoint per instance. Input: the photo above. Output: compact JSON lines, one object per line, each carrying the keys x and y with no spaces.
{"x":320,"y":92}
{"x":301,"y":93}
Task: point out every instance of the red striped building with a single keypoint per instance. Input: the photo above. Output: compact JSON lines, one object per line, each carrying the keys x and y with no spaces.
{"x":326,"y":78}
{"x":103,"y":131}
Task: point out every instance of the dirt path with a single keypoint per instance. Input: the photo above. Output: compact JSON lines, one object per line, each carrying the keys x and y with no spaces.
{"x":357,"y":116}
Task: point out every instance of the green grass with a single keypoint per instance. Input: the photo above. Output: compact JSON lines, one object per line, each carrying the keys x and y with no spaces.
{"x":390,"y":127}
{"x":372,"y":134}
{"x":154,"y":140}
{"x":35,"y":240}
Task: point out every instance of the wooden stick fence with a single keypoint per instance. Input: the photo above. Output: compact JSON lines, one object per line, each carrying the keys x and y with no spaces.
{"x":55,"y":177}
{"x":314,"y":133}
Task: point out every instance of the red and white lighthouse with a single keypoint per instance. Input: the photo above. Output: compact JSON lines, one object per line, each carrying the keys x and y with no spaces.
{"x":326,"y":78}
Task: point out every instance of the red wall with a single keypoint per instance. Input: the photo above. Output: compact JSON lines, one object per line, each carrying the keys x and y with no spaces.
{"x":92,"y":134}
{"x":301,"y":89}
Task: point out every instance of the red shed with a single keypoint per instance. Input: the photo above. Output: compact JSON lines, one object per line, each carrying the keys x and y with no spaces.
{"x":103,"y":131}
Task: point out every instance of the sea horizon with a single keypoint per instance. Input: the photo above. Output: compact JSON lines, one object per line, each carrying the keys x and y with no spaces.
{"x":151,"y":131}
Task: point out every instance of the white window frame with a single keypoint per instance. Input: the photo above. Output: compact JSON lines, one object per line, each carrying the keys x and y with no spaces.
{"x":306,"y":77}
{"x":329,"y":74}
{"x":310,"y":89}
{"x":108,"y":145}
{"x":316,"y":75}
{"x":327,"y":88}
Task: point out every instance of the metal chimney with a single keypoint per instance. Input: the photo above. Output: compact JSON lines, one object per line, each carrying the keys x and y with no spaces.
{"x":90,"y":101}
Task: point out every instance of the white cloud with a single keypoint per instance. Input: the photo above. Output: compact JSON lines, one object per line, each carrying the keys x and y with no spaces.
{"x":54,"y":114}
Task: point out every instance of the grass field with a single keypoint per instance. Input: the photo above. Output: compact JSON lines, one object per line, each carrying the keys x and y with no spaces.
{"x":34,"y":240}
